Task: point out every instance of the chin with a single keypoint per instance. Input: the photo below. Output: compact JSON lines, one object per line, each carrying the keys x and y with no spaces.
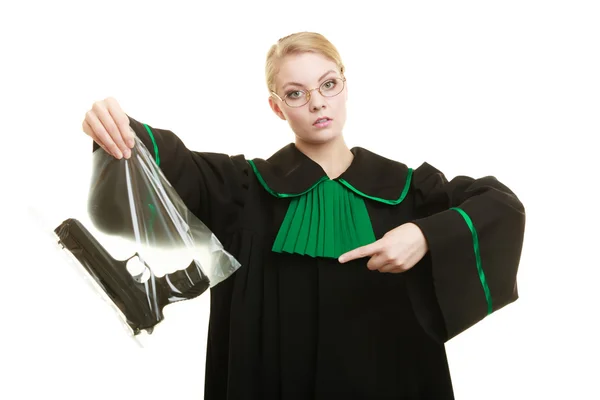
{"x":315,"y":137}
{"x":319,"y":136}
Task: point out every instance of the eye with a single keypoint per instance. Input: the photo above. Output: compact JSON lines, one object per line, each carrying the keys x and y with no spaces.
{"x":330,"y":84}
{"x":295,"y":94}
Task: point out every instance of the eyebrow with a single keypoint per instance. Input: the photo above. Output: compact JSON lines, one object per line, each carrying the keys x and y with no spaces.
{"x":298,"y":84}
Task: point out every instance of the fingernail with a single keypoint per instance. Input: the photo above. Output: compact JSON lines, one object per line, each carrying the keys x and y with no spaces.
{"x":118,"y":155}
{"x":130,"y":143}
{"x":127,"y":153}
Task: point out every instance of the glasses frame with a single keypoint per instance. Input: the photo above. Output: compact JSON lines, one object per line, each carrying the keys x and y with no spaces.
{"x":309,"y":92}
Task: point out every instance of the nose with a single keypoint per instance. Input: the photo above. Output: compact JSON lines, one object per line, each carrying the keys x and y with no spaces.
{"x":316,"y":101}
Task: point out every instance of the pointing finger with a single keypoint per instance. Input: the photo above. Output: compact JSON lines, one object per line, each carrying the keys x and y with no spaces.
{"x":360,"y":252}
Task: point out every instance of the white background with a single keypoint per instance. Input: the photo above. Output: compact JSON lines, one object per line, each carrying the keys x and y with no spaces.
{"x":508,"y":88}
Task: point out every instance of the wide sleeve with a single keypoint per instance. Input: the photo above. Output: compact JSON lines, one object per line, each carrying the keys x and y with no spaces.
{"x":474,"y":230}
{"x":213,"y":186}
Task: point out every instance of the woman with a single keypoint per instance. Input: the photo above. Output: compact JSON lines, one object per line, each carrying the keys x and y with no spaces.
{"x":355,"y":268}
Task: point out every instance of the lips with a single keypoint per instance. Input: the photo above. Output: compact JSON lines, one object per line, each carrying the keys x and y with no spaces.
{"x":320,"y":120}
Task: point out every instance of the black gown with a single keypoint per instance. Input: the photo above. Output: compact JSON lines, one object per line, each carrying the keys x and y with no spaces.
{"x":295,"y":326}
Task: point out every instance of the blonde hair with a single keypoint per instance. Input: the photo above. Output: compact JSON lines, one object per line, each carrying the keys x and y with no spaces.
{"x":301,"y":42}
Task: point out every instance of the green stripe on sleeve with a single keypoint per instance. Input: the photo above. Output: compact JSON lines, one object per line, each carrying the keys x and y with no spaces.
{"x":156,"y":156}
{"x":484,"y":284}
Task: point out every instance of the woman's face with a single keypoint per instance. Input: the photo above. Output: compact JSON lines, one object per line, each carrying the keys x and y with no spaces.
{"x":307,"y":71}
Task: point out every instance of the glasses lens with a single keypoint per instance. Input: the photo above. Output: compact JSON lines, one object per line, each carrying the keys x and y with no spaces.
{"x":296,"y":98}
{"x":332,"y":87}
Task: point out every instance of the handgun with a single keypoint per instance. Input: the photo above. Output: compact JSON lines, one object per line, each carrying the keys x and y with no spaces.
{"x":141,"y":302}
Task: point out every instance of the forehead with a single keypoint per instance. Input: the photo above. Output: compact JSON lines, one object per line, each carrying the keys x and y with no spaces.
{"x":304,"y":68}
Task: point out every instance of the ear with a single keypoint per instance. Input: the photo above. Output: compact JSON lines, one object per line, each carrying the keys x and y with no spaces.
{"x":276,"y":109}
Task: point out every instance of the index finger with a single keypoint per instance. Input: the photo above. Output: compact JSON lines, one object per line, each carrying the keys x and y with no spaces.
{"x":360,"y":252}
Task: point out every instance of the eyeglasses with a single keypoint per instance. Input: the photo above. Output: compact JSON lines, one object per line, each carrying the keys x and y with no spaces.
{"x":298,"y":98}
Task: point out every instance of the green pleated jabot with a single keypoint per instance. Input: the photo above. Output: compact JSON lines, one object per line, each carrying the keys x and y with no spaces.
{"x":326,"y":221}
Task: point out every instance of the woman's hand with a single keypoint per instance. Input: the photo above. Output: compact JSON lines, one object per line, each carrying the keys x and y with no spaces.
{"x":108,"y":125}
{"x":397,"y":251}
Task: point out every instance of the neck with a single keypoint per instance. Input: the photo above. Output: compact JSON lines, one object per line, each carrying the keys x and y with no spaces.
{"x":333,"y":156}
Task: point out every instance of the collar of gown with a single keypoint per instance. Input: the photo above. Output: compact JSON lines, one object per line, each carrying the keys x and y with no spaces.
{"x":290,"y":173}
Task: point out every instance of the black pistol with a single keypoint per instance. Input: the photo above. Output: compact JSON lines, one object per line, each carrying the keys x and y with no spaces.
{"x":141,"y":302}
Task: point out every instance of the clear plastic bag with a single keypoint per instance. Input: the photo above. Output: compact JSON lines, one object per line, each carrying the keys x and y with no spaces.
{"x":139,"y":243}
